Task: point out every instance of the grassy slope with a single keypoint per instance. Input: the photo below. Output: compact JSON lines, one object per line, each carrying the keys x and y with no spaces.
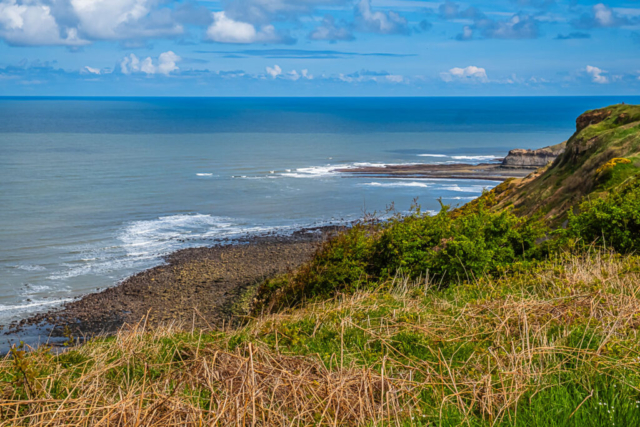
{"x":553,"y":190}
{"x":554,"y":345}
{"x":548,"y":343}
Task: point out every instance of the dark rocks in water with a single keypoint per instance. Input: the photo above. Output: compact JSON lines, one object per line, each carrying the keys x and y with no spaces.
{"x":532,"y":159}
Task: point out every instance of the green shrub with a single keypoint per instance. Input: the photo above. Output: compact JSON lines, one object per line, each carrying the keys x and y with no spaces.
{"x":612,"y":221}
{"x":444,"y":246}
{"x":447,"y":246}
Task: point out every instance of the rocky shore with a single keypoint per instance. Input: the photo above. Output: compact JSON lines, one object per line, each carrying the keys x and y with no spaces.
{"x":517,"y":164}
{"x":199,"y":287}
{"x":483,"y":171}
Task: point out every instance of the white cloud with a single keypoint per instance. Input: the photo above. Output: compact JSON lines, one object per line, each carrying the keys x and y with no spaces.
{"x":467,"y":33}
{"x":226,"y":30}
{"x":371,"y":76}
{"x":292,"y":75}
{"x":379,"y":22}
{"x":275,"y":71}
{"x":78,"y":22}
{"x":33,"y":24}
{"x":122,"y":19}
{"x":266,"y":11}
{"x":130,"y":64}
{"x":395,"y":78}
{"x":90,"y":70}
{"x":331,"y":31}
{"x":596,"y":75}
{"x":471,"y":74}
{"x":603,"y":15}
{"x":166,"y":64}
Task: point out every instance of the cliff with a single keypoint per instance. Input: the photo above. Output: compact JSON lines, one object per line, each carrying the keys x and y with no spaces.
{"x":532,"y":159}
{"x":606,"y":136}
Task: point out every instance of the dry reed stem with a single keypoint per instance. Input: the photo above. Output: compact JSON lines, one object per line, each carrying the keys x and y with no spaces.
{"x":203,"y":382}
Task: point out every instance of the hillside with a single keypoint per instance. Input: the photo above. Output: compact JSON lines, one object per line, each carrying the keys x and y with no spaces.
{"x":486,"y":315}
{"x":601,"y":136}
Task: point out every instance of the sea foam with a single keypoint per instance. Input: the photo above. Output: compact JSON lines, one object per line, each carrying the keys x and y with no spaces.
{"x":143,"y":244}
{"x":396,"y":184}
{"x":475,"y":157}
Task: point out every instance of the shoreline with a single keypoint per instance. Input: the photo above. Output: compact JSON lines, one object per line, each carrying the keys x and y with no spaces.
{"x":203,"y":286}
{"x":197,"y":286}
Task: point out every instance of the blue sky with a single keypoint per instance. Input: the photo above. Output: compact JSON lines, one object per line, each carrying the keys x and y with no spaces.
{"x":319,"y":47}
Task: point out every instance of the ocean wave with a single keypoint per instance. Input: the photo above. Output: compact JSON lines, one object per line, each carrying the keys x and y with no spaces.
{"x":475,"y":157}
{"x":329,"y":170}
{"x":30,"y":267}
{"x":255,"y":177}
{"x":33,"y":304}
{"x":396,"y":184}
{"x":34,"y":289}
{"x":143,"y":244}
{"x":470,"y":189}
{"x":315,"y":171}
{"x":204,"y":174}
{"x":432,"y":155}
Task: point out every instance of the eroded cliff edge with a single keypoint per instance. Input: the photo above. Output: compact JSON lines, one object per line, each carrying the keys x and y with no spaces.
{"x":532,"y":159}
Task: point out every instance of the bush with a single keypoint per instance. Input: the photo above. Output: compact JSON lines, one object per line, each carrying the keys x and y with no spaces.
{"x":612,"y":221}
{"x":448,"y":247}
{"x":445,"y":246}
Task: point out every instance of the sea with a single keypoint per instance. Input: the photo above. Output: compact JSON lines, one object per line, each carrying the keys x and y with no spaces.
{"x":93,"y":190}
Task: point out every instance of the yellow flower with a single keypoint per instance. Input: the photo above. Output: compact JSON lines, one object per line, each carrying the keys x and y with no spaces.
{"x":612,"y":164}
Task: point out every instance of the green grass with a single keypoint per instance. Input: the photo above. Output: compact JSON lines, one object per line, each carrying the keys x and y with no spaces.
{"x":550,"y":344}
{"x":573,"y":175}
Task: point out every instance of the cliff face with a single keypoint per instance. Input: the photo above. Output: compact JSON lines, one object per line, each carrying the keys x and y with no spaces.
{"x":532,"y":159}
{"x":601,"y":135}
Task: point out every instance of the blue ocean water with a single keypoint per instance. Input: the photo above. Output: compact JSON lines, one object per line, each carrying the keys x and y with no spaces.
{"x":95,"y":189}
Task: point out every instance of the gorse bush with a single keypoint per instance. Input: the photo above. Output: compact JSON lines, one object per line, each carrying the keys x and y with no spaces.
{"x":612,"y":221}
{"x":447,"y":246}
{"x":442,"y":246}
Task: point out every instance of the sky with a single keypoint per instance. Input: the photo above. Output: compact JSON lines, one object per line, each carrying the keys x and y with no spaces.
{"x":319,"y":48}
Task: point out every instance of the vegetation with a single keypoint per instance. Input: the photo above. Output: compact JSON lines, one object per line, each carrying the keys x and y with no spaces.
{"x":612,"y":220}
{"x":604,"y":138}
{"x":443,"y":247}
{"x":553,"y":344}
{"x":487,"y":315}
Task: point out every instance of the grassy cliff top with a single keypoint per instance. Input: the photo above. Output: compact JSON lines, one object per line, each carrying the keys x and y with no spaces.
{"x":602,"y":137}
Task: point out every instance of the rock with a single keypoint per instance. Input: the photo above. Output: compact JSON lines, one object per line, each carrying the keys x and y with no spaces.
{"x":591,"y":118}
{"x":532,"y":159}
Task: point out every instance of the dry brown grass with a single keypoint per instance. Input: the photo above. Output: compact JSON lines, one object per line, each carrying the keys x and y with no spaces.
{"x":204,"y":385}
{"x":373,"y":358}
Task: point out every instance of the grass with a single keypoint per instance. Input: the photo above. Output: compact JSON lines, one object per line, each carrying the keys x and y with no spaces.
{"x":553,"y":344}
{"x":575,"y":174}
